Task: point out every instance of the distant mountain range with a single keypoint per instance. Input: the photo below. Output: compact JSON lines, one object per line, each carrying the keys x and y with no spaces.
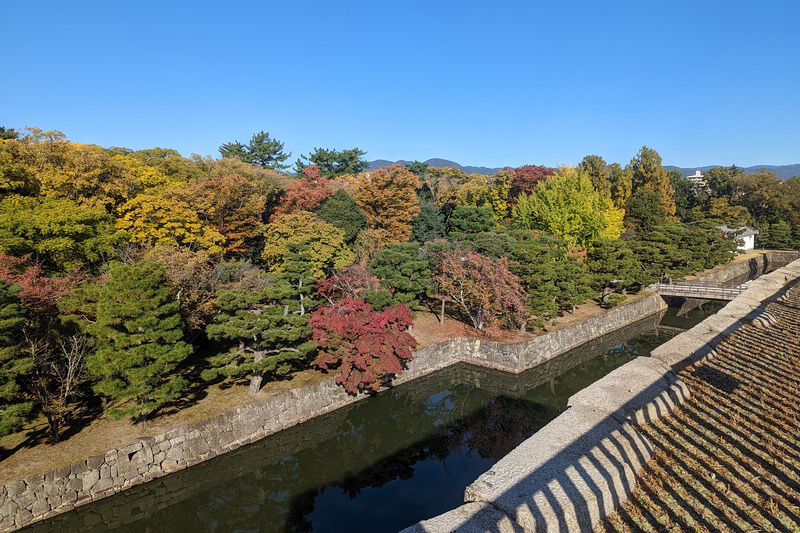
{"x":437,"y":163}
{"x":783,"y":171}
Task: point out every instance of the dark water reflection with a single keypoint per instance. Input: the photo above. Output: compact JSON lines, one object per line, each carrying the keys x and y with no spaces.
{"x":377,"y":465}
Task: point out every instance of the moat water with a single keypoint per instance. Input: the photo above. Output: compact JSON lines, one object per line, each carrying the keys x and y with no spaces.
{"x":377,"y":465}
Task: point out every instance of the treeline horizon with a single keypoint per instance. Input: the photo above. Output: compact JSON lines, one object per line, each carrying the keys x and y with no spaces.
{"x":115,"y":264}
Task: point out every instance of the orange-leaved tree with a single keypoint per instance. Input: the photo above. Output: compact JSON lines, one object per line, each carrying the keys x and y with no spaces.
{"x":389,"y":200}
{"x":233,"y":206}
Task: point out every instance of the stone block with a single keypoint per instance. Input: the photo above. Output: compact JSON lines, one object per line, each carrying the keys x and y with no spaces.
{"x":200,"y":447}
{"x":639,"y":391}
{"x":130,"y":474}
{"x":26,"y":499}
{"x":683,"y":350}
{"x":175,"y":454}
{"x":83,"y":499}
{"x":143,"y":456}
{"x":54,"y":501}
{"x":15,"y":488}
{"x":77,"y":468}
{"x":121,"y":467}
{"x":7,"y":522}
{"x":54,"y":490}
{"x":193,"y":461}
{"x":9,"y":508}
{"x":169,"y":466}
{"x":90,"y":478}
{"x":102,"y":485}
{"x":469,"y":518}
{"x":94,"y":462}
{"x":131,"y":449}
{"x":39,"y":508}
{"x":35,"y":483}
{"x":22,"y":517}
{"x":568,"y":476}
{"x":75,"y":484}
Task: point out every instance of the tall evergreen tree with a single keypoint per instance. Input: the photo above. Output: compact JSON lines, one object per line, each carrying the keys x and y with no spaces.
{"x":14,"y":408}
{"x":139,"y":341}
{"x":333,"y":163}
{"x":612,"y":266}
{"x":261,"y":150}
{"x":402,"y":269}
{"x":269,"y":326}
{"x":429,"y":224}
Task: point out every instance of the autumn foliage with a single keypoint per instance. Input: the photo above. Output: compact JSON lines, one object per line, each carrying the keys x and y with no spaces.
{"x":526,"y":178}
{"x":389,"y":200}
{"x":350,"y":282}
{"x":305,"y":194}
{"x":233,"y":207}
{"x":39,"y":292}
{"x":485,"y":289}
{"x":369,"y":347}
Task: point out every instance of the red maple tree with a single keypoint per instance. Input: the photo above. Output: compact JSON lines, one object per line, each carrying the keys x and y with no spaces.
{"x":304,"y":194}
{"x":369,"y":347}
{"x":526,"y":178}
{"x":39,"y":292}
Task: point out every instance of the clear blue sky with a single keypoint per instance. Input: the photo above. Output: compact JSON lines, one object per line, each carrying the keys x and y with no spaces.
{"x":481,"y":83}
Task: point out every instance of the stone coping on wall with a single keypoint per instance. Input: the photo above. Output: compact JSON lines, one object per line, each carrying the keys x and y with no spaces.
{"x":57,"y":491}
{"x":582,"y":465}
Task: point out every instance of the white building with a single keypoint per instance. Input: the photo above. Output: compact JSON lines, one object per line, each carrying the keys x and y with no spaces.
{"x":747,"y":235}
{"x":696,"y":180}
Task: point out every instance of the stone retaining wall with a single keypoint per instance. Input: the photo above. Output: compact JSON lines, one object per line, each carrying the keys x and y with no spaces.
{"x":57,"y":491}
{"x":582,"y":466}
{"x":751,"y":268}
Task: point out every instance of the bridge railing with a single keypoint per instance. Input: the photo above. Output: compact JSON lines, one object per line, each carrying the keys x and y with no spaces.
{"x":704,"y":290}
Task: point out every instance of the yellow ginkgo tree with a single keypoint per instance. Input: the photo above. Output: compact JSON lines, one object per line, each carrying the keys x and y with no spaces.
{"x":162,"y":220}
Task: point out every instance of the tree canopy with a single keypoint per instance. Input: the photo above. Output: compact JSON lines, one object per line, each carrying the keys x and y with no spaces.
{"x":261,"y":150}
{"x":333,"y":163}
{"x":568,"y":206}
{"x":324,"y":243}
{"x":139,"y":341}
{"x":388,"y":198}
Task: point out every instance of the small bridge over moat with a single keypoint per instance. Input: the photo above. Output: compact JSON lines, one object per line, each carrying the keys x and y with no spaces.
{"x":703,"y":290}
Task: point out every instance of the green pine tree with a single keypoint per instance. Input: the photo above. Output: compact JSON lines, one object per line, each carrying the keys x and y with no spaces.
{"x":139,"y":341}
{"x":14,"y":408}
{"x":343,"y":212}
{"x":270,"y":326}
{"x":613,"y":266}
{"x":402,"y":269}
